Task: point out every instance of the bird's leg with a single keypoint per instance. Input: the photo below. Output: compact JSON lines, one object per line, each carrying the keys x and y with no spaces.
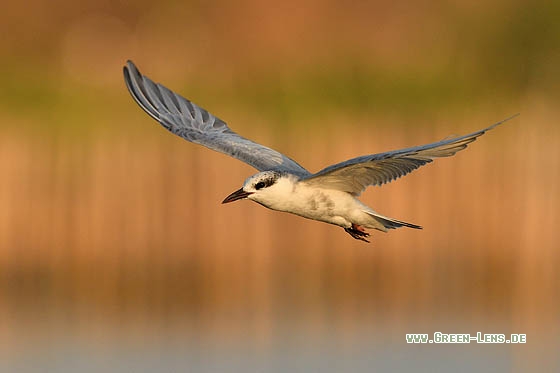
{"x":359,"y":228}
{"x":358,"y":232}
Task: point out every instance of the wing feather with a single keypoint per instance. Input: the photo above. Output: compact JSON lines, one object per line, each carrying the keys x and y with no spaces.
{"x":355,"y":175}
{"x":194,"y":124}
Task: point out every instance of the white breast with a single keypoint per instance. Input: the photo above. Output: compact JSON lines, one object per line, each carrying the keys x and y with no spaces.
{"x":327,"y":205}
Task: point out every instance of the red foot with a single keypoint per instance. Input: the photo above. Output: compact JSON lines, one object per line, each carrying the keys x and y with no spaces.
{"x":358,"y":232}
{"x":358,"y":227}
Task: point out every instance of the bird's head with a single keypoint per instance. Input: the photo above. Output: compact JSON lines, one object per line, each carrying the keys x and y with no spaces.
{"x":262,"y":188}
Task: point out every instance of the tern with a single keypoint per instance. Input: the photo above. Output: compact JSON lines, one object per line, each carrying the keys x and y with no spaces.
{"x":281,"y":183}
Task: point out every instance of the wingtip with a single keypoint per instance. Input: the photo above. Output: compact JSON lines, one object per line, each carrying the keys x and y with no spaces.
{"x":512,"y":116}
{"x":131,"y":73}
{"x":127,"y":73}
{"x":508,"y":118}
{"x":130,"y":68}
{"x":499,"y":123}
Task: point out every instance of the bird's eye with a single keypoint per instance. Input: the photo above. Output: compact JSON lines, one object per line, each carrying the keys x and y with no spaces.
{"x":259,"y":185}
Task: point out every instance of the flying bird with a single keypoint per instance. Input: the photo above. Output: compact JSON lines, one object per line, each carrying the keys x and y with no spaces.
{"x":281,"y":183}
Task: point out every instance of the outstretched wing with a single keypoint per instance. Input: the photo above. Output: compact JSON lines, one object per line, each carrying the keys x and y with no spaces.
{"x":194,"y":124}
{"x":355,"y":175}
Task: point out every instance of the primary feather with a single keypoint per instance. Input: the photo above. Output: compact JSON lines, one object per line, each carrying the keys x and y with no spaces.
{"x":355,"y":175}
{"x":194,"y":124}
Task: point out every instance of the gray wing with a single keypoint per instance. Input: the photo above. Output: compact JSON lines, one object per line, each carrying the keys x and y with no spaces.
{"x":193,"y":123}
{"x":355,"y":175}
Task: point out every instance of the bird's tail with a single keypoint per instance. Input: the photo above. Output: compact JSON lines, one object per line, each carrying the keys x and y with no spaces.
{"x":390,"y":223}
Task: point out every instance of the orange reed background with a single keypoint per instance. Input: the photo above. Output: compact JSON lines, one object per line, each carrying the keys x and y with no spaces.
{"x":112,"y":227}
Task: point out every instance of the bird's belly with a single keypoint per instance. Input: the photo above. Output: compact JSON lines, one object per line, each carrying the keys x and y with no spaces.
{"x":328,"y":206}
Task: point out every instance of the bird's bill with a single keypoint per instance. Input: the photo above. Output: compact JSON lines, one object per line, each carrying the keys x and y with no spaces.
{"x":237,"y":195}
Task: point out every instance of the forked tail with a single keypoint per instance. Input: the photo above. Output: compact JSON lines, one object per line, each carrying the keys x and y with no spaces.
{"x":390,"y":223}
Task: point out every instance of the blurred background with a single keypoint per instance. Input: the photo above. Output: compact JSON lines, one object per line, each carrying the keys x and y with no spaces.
{"x":116,"y":254}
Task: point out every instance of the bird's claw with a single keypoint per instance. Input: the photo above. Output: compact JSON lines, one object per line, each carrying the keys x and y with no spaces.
{"x":358,"y":232}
